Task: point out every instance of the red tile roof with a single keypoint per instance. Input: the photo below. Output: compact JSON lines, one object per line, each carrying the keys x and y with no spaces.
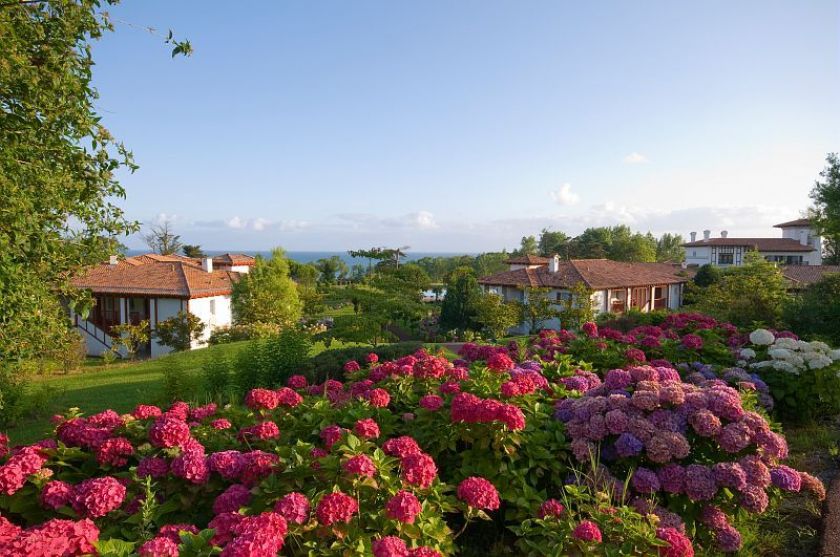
{"x":803,"y":275}
{"x":527,"y":260}
{"x":157,"y":276}
{"x":231,"y":259}
{"x":793,"y":223}
{"x":761,"y":244}
{"x":595,"y":273}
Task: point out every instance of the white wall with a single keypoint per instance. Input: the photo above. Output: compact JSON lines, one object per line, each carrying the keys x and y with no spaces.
{"x":675,"y":296}
{"x":163,"y":308}
{"x":213,"y":317}
{"x":698,"y":255}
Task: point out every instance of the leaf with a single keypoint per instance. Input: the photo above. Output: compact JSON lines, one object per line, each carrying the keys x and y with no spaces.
{"x":114,"y":547}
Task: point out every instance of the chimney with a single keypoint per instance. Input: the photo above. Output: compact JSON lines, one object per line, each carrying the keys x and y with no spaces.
{"x":694,"y":236}
{"x":554,"y":263}
{"x":724,"y":233}
{"x":707,"y":234}
{"x":207,"y":264}
{"x":113,"y":260}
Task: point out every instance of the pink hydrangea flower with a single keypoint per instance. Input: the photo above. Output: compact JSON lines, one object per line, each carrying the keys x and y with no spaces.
{"x":479,"y":493}
{"x":404,"y":507}
{"x":587,"y":531}
{"x":294,"y":507}
{"x":366,"y":428}
{"x":336,"y":507}
{"x":389,"y":546}
{"x":419,"y":469}
{"x":360,"y":465}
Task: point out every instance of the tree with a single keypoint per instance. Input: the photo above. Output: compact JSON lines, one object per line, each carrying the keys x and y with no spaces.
{"x":577,"y":307}
{"x":669,"y":248}
{"x":707,"y":275}
{"x":193,"y":250}
{"x":815,"y":313}
{"x":131,"y":337}
{"x":825,"y":214}
{"x":749,"y":295}
{"x":179,"y":332}
{"x":527,"y":246}
{"x":496,"y":315}
{"x":458,"y":309}
{"x":536,"y":308}
{"x":553,"y":242}
{"x":267,"y":294}
{"x":58,"y":166}
{"x":331,"y":269}
{"x":161,"y":239}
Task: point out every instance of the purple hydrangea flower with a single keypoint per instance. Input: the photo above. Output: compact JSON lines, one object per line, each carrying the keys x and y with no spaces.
{"x":628,"y":445}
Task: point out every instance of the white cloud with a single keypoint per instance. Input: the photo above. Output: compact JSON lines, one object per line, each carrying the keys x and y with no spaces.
{"x":635,"y":158}
{"x":419,"y":220}
{"x":423,"y":219}
{"x":236,"y":222}
{"x":163,"y":218}
{"x":260,"y":223}
{"x":564,"y":195}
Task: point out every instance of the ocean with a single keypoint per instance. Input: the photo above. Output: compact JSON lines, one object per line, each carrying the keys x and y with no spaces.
{"x":310,"y":256}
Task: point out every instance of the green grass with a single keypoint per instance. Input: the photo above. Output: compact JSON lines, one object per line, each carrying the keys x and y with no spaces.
{"x":120,"y":386}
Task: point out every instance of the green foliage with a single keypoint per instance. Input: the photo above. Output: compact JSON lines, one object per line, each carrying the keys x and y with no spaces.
{"x":707,"y":275}
{"x":496,"y":315}
{"x":826,"y":211}
{"x":180,"y":331}
{"x":815,"y":313}
{"x":178,"y":384}
{"x":577,"y":307}
{"x":71,"y":351}
{"x":267,"y":294}
{"x":12,"y":395}
{"x":536,"y":308}
{"x":553,"y":242}
{"x":527,"y":246}
{"x":753,"y":293}
{"x":331,"y":269}
{"x":329,"y":363}
{"x":270,"y":361}
{"x":193,"y":250}
{"x":805,"y":396}
{"x":618,"y":243}
{"x":669,"y":248}
{"x":236,"y":333}
{"x":458,"y":308}
{"x":130,"y":337}
{"x":218,"y":376}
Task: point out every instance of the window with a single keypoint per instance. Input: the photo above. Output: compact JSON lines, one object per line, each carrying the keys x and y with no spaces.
{"x":726,"y":258}
{"x":213,"y":307}
{"x":694,"y":253}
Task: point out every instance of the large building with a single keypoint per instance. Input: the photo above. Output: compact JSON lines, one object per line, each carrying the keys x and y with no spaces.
{"x":154,"y":288}
{"x":799,"y":245}
{"x":616,"y":285}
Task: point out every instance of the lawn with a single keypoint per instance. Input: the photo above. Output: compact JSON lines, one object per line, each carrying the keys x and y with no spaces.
{"x":120,"y":386}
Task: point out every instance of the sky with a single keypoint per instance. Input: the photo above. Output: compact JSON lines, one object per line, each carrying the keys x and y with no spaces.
{"x":462,"y":126}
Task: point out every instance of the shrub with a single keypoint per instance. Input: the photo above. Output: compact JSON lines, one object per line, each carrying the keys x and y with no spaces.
{"x":815,"y":312}
{"x":12,"y":395}
{"x":248,"y":331}
{"x":329,"y":363}
{"x":130,"y":337}
{"x":287,"y":353}
{"x":71,"y":351}
{"x":178,"y":384}
{"x":218,"y":377}
{"x":179,"y":332}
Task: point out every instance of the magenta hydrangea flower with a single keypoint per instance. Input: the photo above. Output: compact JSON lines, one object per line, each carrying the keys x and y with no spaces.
{"x":96,"y":497}
{"x":678,"y":543}
{"x":431,"y":402}
{"x":587,"y":531}
{"x":389,"y":546}
{"x":336,"y":507}
{"x":401,"y":447}
{"x":418,"y":469}
{"x":169,"y":432}
{"x":56,"y":494}
{"x":479,"y":493}
{"x":360,"y":465}
{"x":231,"y":499}
{"x":404,"y":507}
{"x":294,"y":507}
{"x":159,"y":547}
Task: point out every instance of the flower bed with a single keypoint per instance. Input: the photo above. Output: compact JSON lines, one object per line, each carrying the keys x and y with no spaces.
{"x":421,"y":457}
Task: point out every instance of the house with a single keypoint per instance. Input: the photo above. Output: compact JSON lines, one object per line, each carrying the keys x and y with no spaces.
{"x":616,"y":285}
{"x":799,"y":245}
{"x":156,"y":287}
{"x":800,"y":276}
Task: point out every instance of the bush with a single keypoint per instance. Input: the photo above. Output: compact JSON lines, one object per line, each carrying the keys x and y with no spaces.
{"x":179,"y":332}
{"x":12,"y":396}
{"x":287,"y":353}
{"x":218,"y":376}
{"x":816,"y":311}
{"x":329,"y":363}
{"x":71,"y":352}
{"x":239,"y":332}
{"x":178,"y":384}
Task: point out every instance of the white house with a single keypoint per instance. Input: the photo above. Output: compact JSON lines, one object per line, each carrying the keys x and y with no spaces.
{"x":156,"y":287}
{"x":799,"y":245}
{"x":616,"y":285}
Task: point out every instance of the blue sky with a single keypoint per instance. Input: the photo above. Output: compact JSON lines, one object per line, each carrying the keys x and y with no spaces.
{"x":461,"y":126}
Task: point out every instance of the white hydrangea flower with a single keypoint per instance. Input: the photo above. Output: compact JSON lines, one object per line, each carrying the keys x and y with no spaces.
{"x":819,"y":363}
{"x":798,"y":361}
{"x":762,"y":337}
{"x":803,"y":345}
{"x":788,"y":343}
{"x":741,"y":363}
{"x":749,"y":353}
{"x":779,"y":353}
{"x":784,"y":366}
{"x":834,"y":354}
{"x":821,"y":346}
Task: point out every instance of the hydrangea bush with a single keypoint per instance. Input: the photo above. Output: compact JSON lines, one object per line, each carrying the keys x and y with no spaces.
{"x":408,"y":457}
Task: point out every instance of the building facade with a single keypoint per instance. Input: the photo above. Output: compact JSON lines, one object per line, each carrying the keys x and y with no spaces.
{"x":799,"y":245}
{"x":616,"y":285}
{"x":154,"y":288}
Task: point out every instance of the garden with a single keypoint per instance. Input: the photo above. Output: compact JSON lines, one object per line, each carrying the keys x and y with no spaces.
{"x":659,"y":438}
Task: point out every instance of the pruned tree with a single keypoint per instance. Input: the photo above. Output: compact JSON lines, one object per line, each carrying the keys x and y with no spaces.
{"x":161,"y":239}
